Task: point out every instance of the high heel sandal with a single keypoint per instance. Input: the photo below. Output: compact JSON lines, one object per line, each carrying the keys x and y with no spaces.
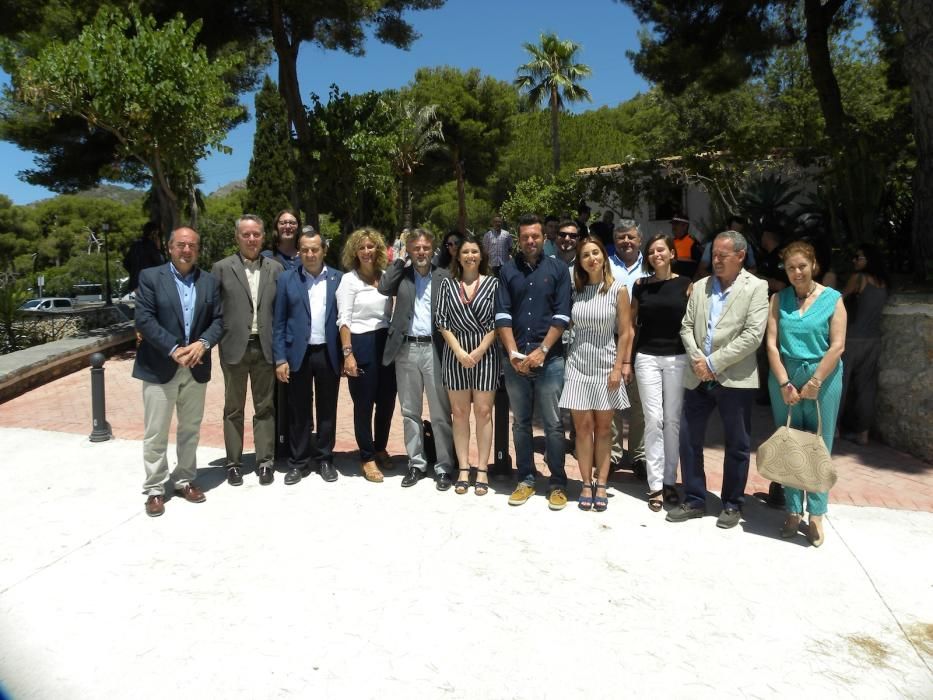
{"x":482,"y":487}
{"x":655,"y":500}
{"x":586,"y":502}
{"x":463,"y":485}
{"x":600,"y":503}
{"x":791,"y":525}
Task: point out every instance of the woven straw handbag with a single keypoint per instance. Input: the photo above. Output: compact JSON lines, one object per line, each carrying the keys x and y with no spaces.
{"x":797,"y":458}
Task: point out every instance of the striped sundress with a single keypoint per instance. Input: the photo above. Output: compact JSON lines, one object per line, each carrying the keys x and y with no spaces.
{"x":469,"y":322}
{"x":593,"y":352}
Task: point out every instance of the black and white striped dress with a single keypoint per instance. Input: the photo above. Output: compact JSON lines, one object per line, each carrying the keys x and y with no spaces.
{"x":593,"y":352}
{"x":469,"y":323}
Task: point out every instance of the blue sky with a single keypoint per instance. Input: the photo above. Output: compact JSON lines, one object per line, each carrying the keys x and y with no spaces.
{"x":485,"y":34}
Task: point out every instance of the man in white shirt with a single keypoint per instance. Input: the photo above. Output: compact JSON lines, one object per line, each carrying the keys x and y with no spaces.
{"x":247,"y":286}
{"x":415,"y":346}
{"x":307,"y":356}
{"x":628,"y":266}
{"x":498,"y":245}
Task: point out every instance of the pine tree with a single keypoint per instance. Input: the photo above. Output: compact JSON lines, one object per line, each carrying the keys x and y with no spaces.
{"x":271,"y":180}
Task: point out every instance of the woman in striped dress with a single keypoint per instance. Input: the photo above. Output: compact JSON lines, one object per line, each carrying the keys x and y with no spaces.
{"x":465,"y":316}
{"x":598,"y":364}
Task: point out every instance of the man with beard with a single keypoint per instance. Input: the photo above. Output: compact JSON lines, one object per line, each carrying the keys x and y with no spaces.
{"x":415,"y":346}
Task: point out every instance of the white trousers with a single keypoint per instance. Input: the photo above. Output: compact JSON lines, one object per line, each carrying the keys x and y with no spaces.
{"x":661,"y":385}
{"x":160,"y":401}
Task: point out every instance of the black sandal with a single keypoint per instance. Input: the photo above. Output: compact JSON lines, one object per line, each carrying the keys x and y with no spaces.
{"x":462,"y":486}
{"x":482,"y":487}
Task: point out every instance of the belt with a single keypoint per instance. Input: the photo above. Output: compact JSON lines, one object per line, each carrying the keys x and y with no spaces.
{"x":253,"y":336}
{"x":418,"y":339}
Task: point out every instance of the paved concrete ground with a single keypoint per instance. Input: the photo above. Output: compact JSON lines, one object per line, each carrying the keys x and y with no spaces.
{"x":358,"y":590}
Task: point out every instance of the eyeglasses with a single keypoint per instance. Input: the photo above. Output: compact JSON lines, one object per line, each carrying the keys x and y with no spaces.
{"x":453,"y":243}
{"x":566,"y":234}
{"x":185,"y":246}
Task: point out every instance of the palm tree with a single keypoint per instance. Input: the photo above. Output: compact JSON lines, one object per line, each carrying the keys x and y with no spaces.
{"x":551,"y":73}
{"x":418,"y":132}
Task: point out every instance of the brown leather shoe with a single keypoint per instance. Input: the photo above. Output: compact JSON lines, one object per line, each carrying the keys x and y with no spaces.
{"x":372,"y":473}
{"x":155,"y":506}
{"x":191,"y":493}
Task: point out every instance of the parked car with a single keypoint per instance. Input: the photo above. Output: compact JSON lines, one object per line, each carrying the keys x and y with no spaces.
{"x":48,"y":304}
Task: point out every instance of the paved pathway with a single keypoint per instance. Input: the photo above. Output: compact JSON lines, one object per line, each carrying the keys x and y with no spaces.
{"x":358,"y":590}
{"x":875,"y":475}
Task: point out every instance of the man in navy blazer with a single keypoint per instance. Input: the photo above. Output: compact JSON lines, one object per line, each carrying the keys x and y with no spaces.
{"x":306,"y":348}
{"x":179,"y":316}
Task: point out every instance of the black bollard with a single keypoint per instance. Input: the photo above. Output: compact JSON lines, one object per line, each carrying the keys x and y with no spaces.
{"x":102,"y":431}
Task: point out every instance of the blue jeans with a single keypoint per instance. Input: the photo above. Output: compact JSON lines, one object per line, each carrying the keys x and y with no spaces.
{"x":539,"y":392}
{"x":735,"y":410}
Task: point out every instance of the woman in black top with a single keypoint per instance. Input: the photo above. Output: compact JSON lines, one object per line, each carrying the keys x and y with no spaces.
{"x":658,"y":306}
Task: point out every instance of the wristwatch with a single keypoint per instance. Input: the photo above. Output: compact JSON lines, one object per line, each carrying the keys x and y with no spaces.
{"x":544,"y":348}
{"x":347,"y":351}
{"x":207,"y":345}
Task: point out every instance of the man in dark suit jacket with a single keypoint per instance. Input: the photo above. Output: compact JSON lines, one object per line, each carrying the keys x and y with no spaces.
{"x":179,"y":315}
{"x":306,"y":348}
{"x":247,"y":285}
{"x":414,"y":344}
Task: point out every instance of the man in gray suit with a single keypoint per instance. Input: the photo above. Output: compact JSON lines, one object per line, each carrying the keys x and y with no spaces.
{"x":721,"y":331}
{"x":179,"y":317}
{"x":414,"y":344}
{"x":247,"y":286}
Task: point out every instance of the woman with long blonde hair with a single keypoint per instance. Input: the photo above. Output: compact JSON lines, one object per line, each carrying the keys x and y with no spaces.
{"x":363,"y":319}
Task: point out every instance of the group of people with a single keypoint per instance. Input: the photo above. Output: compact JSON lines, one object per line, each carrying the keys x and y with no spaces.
{"x":582,"y":330}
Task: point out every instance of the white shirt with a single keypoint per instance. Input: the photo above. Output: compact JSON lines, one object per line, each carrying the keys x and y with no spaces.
{"x":317,"y":299}
{"x":360,"y":306}
{"x":252,"y":268}
{"x":627,"y":273}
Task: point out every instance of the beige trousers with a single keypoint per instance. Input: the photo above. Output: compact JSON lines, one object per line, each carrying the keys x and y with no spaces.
{"x":185,"y":396}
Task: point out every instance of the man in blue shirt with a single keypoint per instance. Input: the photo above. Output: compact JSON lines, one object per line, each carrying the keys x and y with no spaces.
{"x":415,"y":346}
{"x":532,"y":311}
{"x":179,"y":315}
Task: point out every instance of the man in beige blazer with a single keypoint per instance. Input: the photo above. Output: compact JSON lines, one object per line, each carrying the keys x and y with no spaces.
{"x":721,"y":331}
{"x":247,"y":286}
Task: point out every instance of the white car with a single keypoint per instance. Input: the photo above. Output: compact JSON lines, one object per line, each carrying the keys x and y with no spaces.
{"x":48,"y":304}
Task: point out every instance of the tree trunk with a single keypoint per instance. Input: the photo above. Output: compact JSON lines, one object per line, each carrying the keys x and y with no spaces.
{"x":819,"y":18}
{"x":461,"y":193}
{"x":287,"y":53}
{"x":917,"y":24}
{"x":193,"y":207}
{"x":406,"y":201}
{"x":857,"y":178}
{"x":555,"y":135}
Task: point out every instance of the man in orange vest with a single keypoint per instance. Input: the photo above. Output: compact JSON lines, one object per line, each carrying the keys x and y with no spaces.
{"x":688,"y":249}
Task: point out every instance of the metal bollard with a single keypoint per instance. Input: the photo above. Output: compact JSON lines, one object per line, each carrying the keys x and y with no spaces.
{"x":102,"y":431}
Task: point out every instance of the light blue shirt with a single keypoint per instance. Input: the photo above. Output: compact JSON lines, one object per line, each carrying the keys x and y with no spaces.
{"x":717,"y":302}
{"x":627,"y":273}
{"x":421,"y":318}
{"x":188,"y":295}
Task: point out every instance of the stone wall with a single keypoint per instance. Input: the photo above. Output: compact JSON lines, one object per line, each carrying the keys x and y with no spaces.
{"x":904,"y":416}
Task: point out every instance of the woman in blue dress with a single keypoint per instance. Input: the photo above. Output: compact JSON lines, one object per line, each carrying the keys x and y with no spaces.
{"x":806,"y":337}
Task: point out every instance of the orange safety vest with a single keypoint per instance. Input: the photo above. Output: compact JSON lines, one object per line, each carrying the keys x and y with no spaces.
{"x":684,"y":247}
